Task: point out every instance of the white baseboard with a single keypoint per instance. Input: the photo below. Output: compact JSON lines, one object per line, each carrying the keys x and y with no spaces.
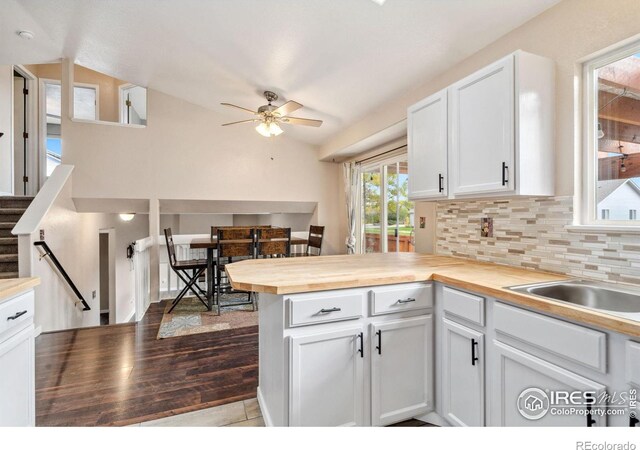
{"x":128,"y":319}
{"x":433,"y":418}
{"x":263,"y":407}
{"x":37,"y":332}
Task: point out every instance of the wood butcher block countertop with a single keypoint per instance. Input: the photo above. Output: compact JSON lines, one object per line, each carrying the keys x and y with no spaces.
{"x":13,"y":286}
{"x":321,"y":273}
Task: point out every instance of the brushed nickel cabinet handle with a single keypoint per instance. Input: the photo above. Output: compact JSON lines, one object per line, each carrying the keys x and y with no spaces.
{"x":408,"y":300}
{"x":330,"y":310}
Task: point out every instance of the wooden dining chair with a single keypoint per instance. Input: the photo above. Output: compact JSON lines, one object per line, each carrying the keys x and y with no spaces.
{"x":274,"y":242}
{"x":314,"y":243}
{"x":189,"y":271}
{"x":233,"y":244}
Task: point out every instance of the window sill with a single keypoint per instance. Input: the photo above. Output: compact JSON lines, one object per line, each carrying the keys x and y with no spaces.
{"x":104,"y":122}
{"x":604,"y":229}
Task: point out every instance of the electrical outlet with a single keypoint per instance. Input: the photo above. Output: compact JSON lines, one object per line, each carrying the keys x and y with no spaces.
{"x":42,"y":235}
{"x":93,"y":294}
{"x":486,"y":227}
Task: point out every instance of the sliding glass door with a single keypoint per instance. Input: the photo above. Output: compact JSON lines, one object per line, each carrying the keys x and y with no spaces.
{"x":387,"y":213}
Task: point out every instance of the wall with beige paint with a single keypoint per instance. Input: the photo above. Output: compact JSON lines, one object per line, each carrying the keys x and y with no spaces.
{"x":184,"y":153}
{"x":566,"y":33}
{"x":74,"y":238}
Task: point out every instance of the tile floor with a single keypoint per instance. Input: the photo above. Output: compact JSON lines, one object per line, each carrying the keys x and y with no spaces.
{"x":244,"y":413}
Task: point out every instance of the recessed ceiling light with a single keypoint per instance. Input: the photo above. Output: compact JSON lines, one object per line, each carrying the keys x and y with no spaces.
{"x":24,"y":34}
{"x":379,"y":2}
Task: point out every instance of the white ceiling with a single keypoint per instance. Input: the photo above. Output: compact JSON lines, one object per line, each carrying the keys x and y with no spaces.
{"x":340,"y":58}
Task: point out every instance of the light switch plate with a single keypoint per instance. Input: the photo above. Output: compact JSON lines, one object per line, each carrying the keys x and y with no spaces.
{"x":42,"y":235}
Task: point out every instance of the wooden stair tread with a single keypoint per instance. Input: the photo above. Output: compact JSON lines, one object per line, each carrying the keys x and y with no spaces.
{"x":12,"y":210}
{"x":12,"y":257}
{"x":6,"y":275}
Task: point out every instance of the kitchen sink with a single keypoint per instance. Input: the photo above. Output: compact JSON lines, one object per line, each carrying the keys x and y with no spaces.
{"x":611,"y":298}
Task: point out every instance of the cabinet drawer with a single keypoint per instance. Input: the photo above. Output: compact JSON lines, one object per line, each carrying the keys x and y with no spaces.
{"x":311,"y":309}
{"x":576,"y":343}
{"x":633,"y":363}
{"x":15,"y":313}
{"x":398,"y":298}
{"x":461,"y":304}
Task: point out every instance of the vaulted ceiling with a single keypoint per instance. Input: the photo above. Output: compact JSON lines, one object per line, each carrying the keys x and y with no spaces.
{"x":340,"y":58}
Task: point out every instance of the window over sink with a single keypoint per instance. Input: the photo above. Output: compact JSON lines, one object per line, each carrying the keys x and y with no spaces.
{"x":612,"y":182}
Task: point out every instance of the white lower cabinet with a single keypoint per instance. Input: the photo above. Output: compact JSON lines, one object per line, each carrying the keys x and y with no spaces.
{"x":462,"y":375}
{"x":401,"y":369}
{"x":516,"y":372}
{"x":326,"y":379}
{"x":17,"y":393}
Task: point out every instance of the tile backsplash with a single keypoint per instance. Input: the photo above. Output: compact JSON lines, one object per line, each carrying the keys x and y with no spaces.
{"x":532,"y":233}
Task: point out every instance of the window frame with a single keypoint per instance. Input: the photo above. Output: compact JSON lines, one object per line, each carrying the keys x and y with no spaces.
{"x":587,"y":214}
{"x":379,"y":164}
{"x":96,"y":88}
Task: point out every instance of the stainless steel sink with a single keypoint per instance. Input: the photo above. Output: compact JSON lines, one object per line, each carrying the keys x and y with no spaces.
{"x":606,"y":297}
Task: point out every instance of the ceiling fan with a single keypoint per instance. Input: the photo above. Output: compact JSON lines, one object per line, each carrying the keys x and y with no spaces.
{"x":271,"y":116}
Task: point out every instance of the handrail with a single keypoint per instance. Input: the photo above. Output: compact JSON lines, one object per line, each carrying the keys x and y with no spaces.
{"x":49,"y":253}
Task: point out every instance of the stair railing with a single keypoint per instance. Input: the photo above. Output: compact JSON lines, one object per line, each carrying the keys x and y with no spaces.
{"x":48,"y":252}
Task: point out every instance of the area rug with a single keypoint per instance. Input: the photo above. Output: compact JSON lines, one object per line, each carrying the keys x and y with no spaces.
{"x":191,"y":317}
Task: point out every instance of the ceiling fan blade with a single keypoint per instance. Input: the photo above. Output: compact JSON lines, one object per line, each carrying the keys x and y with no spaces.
{"x":301,"y":121}
{"x":239,"y":107}
{"x":287,"y":108}
{"x":241,"y":121}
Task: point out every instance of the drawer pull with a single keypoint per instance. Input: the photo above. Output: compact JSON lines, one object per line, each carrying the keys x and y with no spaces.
{"x":408,"y":300}
{"x":361,"y":349}
{"x":379,"y":346}
{"x":16,"y":315}
{"x":329,"y":310}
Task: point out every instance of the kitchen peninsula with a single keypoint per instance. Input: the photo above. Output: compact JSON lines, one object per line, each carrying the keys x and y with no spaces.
{"x":375,"y":339}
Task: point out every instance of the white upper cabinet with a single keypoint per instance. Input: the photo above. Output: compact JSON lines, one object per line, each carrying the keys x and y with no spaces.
{"x":482,"y":130}
{"x":499,"y":129}
{"x":427,"y":147}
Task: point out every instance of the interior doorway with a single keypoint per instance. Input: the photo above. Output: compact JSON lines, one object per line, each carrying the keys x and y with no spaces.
{"x":107,"y":282}
{"x":25,"y":160}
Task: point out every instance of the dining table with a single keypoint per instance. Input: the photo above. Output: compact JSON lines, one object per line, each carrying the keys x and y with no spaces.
{"x":211,"y":244}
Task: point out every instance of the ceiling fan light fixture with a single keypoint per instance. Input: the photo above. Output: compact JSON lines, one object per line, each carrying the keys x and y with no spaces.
{"x":269,"y":129}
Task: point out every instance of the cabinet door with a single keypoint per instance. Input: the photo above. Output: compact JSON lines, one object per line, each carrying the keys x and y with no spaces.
{"x":326,"y":379}
{"x":401,"y":369}
{"x":462,"y":375}
{"x":482,"y":130}
{"x":515,"y":372}
{"x":17,"y":383}
{"x":427,"y":147}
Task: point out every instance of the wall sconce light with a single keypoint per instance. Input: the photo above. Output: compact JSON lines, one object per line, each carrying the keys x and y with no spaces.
{"x":127,"y":217}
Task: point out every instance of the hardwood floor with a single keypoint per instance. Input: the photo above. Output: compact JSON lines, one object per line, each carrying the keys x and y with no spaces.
{"x":121,"y":374}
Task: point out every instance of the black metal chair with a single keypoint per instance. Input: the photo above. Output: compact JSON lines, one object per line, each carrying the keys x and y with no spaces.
{"x":189,"y":271}
{"x":233,"y":244}
{"x":314,"y":245}
{"x":274,"y":242}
